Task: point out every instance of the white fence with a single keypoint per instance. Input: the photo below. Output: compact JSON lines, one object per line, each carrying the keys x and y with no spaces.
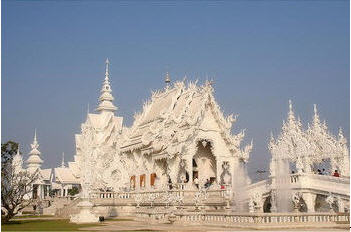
{"x":223,"y":218}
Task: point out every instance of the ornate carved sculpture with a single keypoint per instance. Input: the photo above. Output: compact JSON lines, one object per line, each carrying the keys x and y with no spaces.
{"x":296,"y":198}
{"x":330,"y":200}
{"x":305,"y":148}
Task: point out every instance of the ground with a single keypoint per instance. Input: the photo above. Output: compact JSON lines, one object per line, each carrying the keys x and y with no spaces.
{"x":128,"y":224}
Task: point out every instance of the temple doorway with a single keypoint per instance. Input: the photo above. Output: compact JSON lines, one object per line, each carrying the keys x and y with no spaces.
{"x":35,"y":191}
{"x":204,"y":163}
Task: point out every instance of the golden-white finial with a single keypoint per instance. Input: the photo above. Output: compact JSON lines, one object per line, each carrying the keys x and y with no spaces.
{"x":106,"y":69}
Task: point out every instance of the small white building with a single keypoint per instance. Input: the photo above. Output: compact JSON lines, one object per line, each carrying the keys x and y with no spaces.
{"x":42,"y":186}
{"x":63,"y":180}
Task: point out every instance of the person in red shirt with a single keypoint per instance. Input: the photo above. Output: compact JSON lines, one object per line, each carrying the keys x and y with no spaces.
{"x":336,"y":174}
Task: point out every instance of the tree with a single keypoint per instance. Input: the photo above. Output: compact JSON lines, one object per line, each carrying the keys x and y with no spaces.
{"x":16,"y":183}
{"x":73,"y":191}
{"x":8,"y":151}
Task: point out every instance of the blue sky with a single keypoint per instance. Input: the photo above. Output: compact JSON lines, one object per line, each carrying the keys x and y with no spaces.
{"x":259,"y":53}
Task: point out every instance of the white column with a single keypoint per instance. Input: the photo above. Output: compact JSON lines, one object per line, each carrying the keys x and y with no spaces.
{"x":38,"y":191}
{"x":341,"y":205}
{"x":310,"y":200}
{"x":218,"y":170}
{"x":189,"y":169}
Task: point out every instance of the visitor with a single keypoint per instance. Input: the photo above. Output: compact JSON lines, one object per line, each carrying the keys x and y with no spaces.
{"x":196,"y":182}
{"x":324,"y":172}
{"x":336,"y":174}
{"x":292,"y":172}
{"x":208,"y":183}
{"x":319,"y":172}
{"x":170,"y":183}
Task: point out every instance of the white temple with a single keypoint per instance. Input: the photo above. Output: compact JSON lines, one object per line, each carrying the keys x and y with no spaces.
{"x":181,"y":144}
{"x":180,"y":135}
{"x":63,"y":180}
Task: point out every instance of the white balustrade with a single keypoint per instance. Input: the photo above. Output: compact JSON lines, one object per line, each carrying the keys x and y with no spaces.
{"x":215,"y":218}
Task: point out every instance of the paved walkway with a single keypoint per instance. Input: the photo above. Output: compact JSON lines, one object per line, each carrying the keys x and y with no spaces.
{"x":138,"y":225}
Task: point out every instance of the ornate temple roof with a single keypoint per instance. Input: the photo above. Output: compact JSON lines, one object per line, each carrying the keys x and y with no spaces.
{"x":178,"y":108}
{"x":65,"y":176}
{"x":46,"y":174}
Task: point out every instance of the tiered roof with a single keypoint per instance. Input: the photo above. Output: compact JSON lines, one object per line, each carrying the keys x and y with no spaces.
{"x":106,"y":98}
{"x":34,"y":160}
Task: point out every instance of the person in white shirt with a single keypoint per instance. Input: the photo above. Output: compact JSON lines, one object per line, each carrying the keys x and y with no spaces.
{"x":196,"y":182}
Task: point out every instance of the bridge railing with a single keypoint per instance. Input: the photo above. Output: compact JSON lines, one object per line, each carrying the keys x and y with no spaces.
{"x":321,"y":183}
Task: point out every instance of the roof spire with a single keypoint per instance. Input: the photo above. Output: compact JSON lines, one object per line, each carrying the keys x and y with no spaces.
{"x":17,"y":161}
{"x":106,"y":69}
{"x":106,"y":98}
{"x":315,"y":108}
{"x":341,"y":134}
{"x":315,"y":116}
{"x":63,"y":160}
{"x":35,"y":135}
{"x":34,"y":161}
{"x":291,"y":115}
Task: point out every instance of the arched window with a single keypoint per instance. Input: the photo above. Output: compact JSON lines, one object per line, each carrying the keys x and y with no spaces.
{"x":152,"y":179}
{"x":142,"y":180}
{"x":132,"y":182}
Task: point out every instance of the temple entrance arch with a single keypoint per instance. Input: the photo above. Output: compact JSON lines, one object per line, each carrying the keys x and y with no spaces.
{"x":204,"y":163}
{"x":267,"y":205}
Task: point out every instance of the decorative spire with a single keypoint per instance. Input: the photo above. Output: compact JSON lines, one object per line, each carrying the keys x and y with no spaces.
{"x":341,"y":137}
{"x":34,"y":161}
{"x":167,"y":79}
{"x":341,"y":134}
{"x":106,"y":69}
{"x":63,"y":160}
{"x":315,"y":108}
{"x":271,"y":141}
{"x":17,"y":162}
{"x":291,"y":116}
{"x":315,"y":116}
{"x":35,"y":145}
{"x":106,"y":98}
{"x":35,"y":135}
